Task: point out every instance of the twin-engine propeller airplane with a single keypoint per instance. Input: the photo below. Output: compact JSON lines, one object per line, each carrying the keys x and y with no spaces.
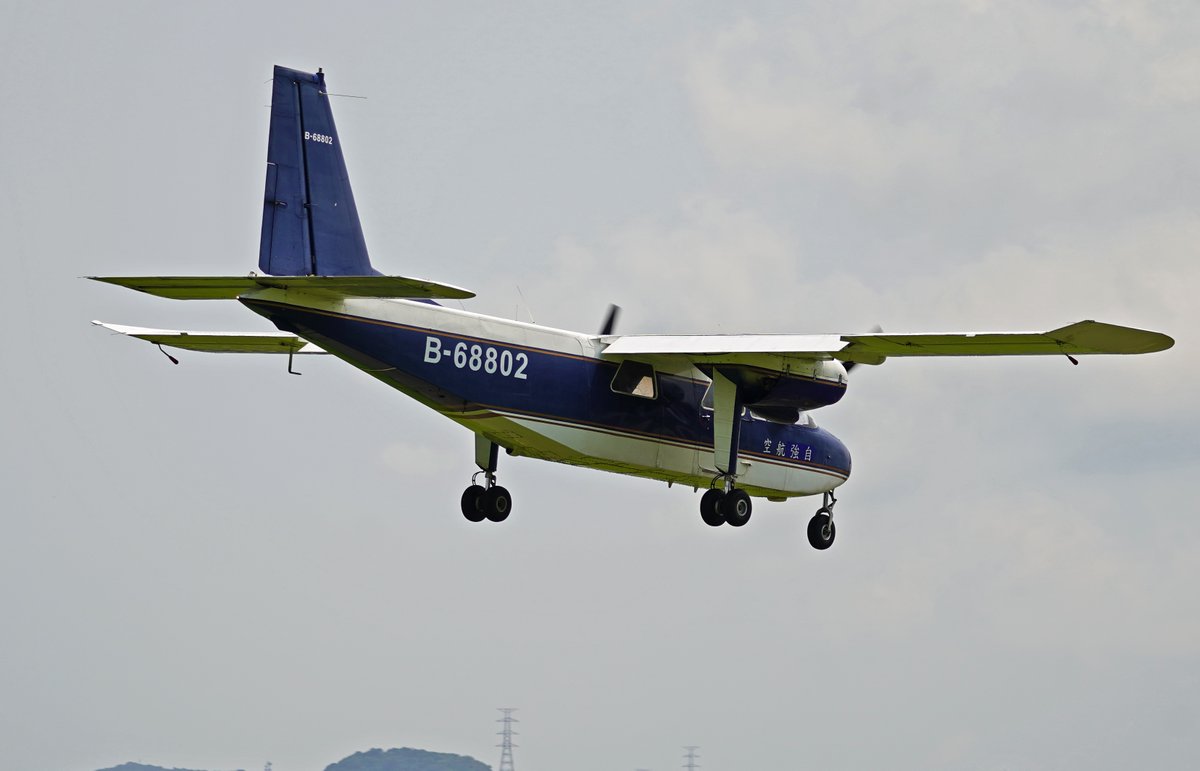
{"x":726,"y":413}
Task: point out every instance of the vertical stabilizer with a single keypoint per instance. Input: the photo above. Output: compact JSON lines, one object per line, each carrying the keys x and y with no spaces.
{"x":310,"y":224}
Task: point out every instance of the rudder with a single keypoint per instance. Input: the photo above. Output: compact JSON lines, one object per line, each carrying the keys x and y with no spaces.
{"x":310,"y":223}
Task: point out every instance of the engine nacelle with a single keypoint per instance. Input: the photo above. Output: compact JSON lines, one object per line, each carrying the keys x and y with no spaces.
{"x":783,"y":396}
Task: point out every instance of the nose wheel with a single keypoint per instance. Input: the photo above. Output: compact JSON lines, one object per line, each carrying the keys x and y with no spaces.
{"x":821,"y":531}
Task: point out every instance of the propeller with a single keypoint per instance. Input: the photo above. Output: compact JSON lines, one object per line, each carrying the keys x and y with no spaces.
{"x":610,"y":320}
{"x":849,"y":365}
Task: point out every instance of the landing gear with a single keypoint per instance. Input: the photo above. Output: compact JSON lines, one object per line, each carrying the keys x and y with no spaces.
{"x":470,"y":503}
{"x":491,"y":503}
{"x":719,"y":507}
{"x":821,"y":530}
{"x":736,"y":507}
{"x":496,"y":504}
{"x":726,"y":504}
{"x":488,"y":501}
{"x":710,"y":504}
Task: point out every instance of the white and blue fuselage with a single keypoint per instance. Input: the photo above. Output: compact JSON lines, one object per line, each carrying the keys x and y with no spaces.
{"x":547,"y":393}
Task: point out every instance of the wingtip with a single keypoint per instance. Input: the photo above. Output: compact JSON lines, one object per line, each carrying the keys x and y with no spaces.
{"x":1102,"y":337}
{"x":1165,"y":342}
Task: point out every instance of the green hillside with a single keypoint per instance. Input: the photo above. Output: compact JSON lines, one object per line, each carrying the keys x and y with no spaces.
{"x":406,"y":759}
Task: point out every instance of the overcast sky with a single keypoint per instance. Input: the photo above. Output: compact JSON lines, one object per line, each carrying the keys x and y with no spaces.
{"x":216,"y":564}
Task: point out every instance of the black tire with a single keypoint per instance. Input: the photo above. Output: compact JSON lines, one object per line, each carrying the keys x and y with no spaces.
{"x":470,"y":503}
{"x":736,"y":507}
{"x":821,"y":530}
{"x":710,"y":507}
{"x":496,"y":504}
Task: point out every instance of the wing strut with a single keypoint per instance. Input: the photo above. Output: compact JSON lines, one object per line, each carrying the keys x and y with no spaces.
{"x":727,"y":425}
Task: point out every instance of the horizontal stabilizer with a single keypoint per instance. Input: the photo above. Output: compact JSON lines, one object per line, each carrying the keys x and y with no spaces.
{"x":218,"y":342}
{"x":232,"y":287}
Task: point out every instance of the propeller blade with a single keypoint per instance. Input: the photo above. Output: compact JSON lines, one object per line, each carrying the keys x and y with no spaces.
{"x":610,"y":321}
{"x":850,"y":365}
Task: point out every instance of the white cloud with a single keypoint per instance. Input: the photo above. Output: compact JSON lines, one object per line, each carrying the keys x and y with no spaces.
{"x":701,"y":267}
{"x":1041,"y":101}
{"x":768,"y":100}
{"x":1175,"y":77}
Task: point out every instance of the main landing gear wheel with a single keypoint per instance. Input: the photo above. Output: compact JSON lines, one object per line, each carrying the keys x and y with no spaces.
{"x":735,"y":506}
{"x":470,"y":503}
{"x":710,"y":507}
{"x":496,"y":503}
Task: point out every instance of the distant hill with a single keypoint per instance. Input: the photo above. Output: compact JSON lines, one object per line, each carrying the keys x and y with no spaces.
{"x":405,"y":759}
{"x":143,"y":767}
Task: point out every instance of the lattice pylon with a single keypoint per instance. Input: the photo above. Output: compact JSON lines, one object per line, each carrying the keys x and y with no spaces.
{"x":506,"y":734}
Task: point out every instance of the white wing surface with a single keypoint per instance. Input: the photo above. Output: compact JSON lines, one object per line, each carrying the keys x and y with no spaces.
{"x":1078,"y":339}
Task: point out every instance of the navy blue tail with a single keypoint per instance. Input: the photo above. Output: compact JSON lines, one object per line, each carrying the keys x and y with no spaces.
{"x":310,"y":224}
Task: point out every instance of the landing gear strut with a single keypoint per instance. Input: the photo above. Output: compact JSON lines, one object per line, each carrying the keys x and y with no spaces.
{"x":487,"y":501}
{"x":820,"y":528}
{"x":725,"y":504}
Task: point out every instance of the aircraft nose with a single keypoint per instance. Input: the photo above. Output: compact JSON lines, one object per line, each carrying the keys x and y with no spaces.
{"x":837,"y":455}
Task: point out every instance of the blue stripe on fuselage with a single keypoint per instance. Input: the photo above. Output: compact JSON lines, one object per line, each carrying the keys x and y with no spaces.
{"x":541,"y":383}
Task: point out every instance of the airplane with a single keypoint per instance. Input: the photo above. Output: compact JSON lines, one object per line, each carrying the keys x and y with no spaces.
{"x":729,"y":414}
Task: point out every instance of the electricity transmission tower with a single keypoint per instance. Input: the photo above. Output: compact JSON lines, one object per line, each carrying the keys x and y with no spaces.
{"x":506,"y":734}
{"x":690,"y":758}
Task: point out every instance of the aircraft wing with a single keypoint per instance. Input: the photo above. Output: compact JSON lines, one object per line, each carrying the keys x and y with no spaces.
{"x":218,"y":342}
{"x":1078,"y":339}
{"x":231,"y":287}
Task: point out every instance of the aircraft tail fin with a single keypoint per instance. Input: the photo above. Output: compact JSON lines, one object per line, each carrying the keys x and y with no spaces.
{"x":310,"y":224}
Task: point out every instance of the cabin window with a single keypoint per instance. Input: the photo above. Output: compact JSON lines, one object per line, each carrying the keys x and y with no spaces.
{"x":706,"y":401}
{"x":635,"y":379}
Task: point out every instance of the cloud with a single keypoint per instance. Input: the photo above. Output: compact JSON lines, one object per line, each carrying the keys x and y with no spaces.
{"x":766,"y":100}
{"x":1175,"y":78}
{"x":700,"y":267}
{"x":1040,"y":103}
